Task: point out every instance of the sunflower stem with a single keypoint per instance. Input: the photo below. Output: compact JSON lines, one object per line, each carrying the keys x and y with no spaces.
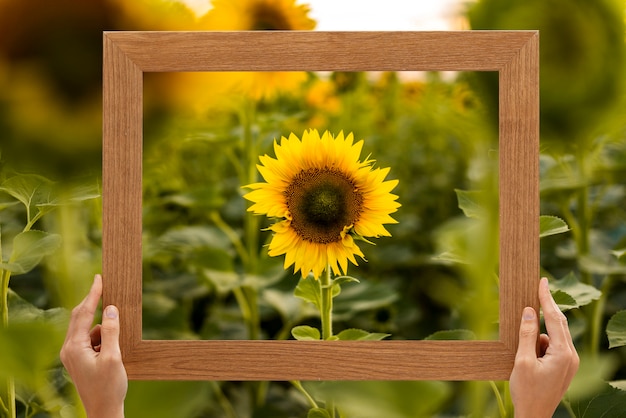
{"x":326,"y":306}
{"x":4,"y":307}
{"x":326,"y":314}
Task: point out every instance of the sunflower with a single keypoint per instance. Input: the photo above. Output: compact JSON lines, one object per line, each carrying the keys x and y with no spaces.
{"x":259,"y":15}
{"x":323,"y":197}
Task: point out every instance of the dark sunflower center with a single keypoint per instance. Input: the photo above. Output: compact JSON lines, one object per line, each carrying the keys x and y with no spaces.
{"x":266,"y":17}
{"x":322,"y":203}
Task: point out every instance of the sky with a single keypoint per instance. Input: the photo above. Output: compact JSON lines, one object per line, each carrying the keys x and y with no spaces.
{"x":385,"y":15}
{"x":343,"y":15}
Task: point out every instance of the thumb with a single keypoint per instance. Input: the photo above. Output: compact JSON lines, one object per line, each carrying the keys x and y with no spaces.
{"x":110,"y":330}
{"x":528,"y":333}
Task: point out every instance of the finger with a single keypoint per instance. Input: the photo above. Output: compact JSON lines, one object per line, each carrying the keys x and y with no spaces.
{"x":528,"y":332}
{"x":110,"y":330}
{"x":96,"y":335}
{"x":83,"y":313}
{"x":544,"y":342}
{"x":555,"y":320}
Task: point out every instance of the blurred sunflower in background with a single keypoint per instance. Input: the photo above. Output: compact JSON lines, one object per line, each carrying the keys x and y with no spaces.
{"x":324,"y":198}
{"x":259,"y":15}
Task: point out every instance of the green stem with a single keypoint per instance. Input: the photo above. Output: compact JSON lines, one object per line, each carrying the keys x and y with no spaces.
{"x":326,"y":307}
{"x":243,"y":303}
{"x":3,"y":408}
{"x":4,"y":301}
{"x":250,"y":176}
{"x":496,"y":391}
{"x":254,"y":320}
{"x":222,"y":399}
{"x":31,"y":222}
{"x":247,"y":300}
{"x":326,"y":315}
{"x":231,"y":234}
{"x":568,"y":408}
{"x":597,"y":315}
{"x":584,"y":216}
{"x":250,"y":252}
{"x":298,"y":385}
{"x":508,"y":402}
{"x":330,"y":407}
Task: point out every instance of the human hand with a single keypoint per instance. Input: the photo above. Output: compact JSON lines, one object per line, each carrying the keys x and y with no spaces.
{"x":538,"y":382}
{"x":93,"y":357}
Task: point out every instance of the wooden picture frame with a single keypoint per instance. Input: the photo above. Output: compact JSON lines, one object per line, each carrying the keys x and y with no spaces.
{"x":513,"y":54}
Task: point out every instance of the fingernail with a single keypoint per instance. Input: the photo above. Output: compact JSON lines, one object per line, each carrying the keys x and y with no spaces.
{"x":528,"y":314}
{"x":111,"y":312}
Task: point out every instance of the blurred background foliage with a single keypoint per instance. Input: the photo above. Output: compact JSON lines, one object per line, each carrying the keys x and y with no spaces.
{"x":206,"y":274}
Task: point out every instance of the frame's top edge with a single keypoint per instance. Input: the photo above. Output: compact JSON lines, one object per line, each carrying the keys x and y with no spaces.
{"x":382,"y":32}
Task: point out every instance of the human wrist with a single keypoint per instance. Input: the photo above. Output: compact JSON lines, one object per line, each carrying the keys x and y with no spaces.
{"x":109,"y":412}
{"x":531,"y":414}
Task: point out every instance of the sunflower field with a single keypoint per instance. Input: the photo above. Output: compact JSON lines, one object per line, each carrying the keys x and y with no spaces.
{"x":308,"y":206}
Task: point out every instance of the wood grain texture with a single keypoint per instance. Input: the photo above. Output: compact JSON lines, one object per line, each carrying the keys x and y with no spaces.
{"x":320,"y":360}
{"x":122,"y":133}
{"x":519,"y":188}
{"x":127,"y":55}
{"x":319,"y":51}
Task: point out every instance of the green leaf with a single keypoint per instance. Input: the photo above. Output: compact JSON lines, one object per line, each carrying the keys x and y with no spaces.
{"x":592,"y":374}
{"x":565,"y":301}
{"x":353,"y":334}
{"x":22,"y":311}
{"x":73,"y":194}
{"x":339,"y":280}
{"x":29,"y":248}
{"x":4,"y":205}
{"x":616,"y":330}
{"x":309,"y":290}
{"x":551,"y":225}
{"x":285,"y":304}
{"x":30,"y":344}
{"x":366,"y":296}
{"x":620,"y":254}
{"x":453,"y":334}
{"x":305,"y":333}
{"x":388,"y":399}
{"x":605,"y":401}
{"x":581,"y":293}
{"x":618,"y":384}
{"x":167,"y":399}
{"x":317,"y":413}
{"x":29,"y":350}
{"x":30,"y":189}
{"x":599,"y":265}
{"x":451,"y":257}
{"x":469,"y":203}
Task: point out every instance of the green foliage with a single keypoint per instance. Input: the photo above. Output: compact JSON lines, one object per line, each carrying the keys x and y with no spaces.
{"x":570,"y":293}
{"x":452,"y":334}
{"x":353,"y":334}
{"x":306,"y":333}
{"x":389,"y":399}
{"x":180,"y":399}
{"x":206,"y":272}
{"x":582,"y":58}
{"x":29,"y":247}
{"x":551,"y":225}
{"x":616,"y":330}
{"x":31,"y":343}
